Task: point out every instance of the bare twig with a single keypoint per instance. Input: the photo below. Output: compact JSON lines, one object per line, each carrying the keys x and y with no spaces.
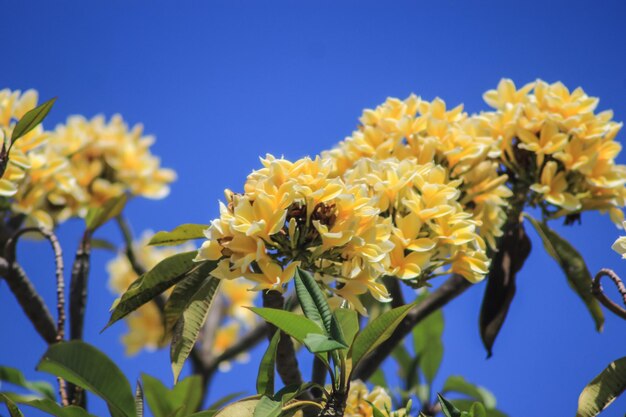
{"x":60,"y":286}
{"x":78,"y":286}
{"x":449,"y":290}
{"x":598,"y":292}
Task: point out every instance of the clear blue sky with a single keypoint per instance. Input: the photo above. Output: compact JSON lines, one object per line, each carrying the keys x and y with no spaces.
{"x":220,"y":84}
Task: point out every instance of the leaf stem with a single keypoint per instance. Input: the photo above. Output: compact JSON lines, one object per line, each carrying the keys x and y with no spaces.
{"x":598,"y":292}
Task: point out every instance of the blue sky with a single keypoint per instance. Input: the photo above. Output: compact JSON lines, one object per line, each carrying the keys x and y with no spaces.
{"x":220,"y":83}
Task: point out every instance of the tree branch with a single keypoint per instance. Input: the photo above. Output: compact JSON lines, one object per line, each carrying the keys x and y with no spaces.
{"x":449,"y":290}
{"x":598,"y":292}
{"x":78,"y":286}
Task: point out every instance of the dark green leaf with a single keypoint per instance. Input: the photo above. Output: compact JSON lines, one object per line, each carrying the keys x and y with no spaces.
{"x":320,"y":343}
{"x":51,"y":407}
{"x":465,"y":405}
{"x":103,"y":244}
{"x":184,"y":398}
{"x":315,"y":306}
{"x":377,"y":332}
{"x":15,"y":377}
{"x":98,"y":216}
{"x":183,"y":292}
{"x":349,"y":322}
{"x":448,"y":409}
{"x":512,"y":252}
{"x":85,"y":366}
{"x":188,"y":326}
{"x":478,"y":410}
{"x":428,"y":343}
{"x":265,"y":377}
{"x":293,"y":324}
{"x":166,"y":273}
{"x":574,"y":267}
{"x":266,"y":407}
{"x":458,"y":384}
{"x":31,"y":119}
{"x":13,"y":410}
{"x":180,"y":234}
{"x":603,"y":389}
{"x":378,"y":378}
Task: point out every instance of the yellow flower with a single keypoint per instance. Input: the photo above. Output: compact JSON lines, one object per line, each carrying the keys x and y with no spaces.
{"x":507,"y":94}
{"x":548,"y":142}
{"x":108,"y":159}
{"x":619,"y":245}
{"x":553,"y":186}
{"x":360,"y":397}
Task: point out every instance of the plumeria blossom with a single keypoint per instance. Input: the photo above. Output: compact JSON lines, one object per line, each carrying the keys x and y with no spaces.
{"x":421,"y":133}
{"x":619,"y":245}
{"x":145,"y":325}
{"x":560,"y":145}
{"x":297,"y":214}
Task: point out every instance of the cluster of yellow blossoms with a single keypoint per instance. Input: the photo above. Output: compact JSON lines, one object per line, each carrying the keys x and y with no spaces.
{"x":145,"y":325}
{"x":54,"y":175}
{"x":419,"y":188}
{"x":553,"y":139}
{"x":619,"y":245}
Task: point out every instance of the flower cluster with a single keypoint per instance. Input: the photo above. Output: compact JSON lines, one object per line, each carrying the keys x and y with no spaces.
{"x":359,"y":399}
{"x":293,"y":214}
{"x":145,"y":325}
{"x":554,"y":140}
{"x":52,"y":176}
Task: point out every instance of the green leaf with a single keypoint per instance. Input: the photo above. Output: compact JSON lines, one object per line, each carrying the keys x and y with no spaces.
{"x":458,"y":384}
{"x":428,"y":343}
{"x":85,"y":366}
{"x":315,"y":305}
{"x":448,"y":409}
{"x":320,"y":343}
{"x":180,"y":234}
{"x":478,"y":410}
{"x":377,"y":332}
{"x":603,"y":389}
{"x":166,"y":273}
{"x":31,"y":119}
{"x":465,"y":405}
{"x":513,"y":250}
{"x":183,"y":292}
{"x":98,"y":216}
{"x":573,"y":265}
{"x":349,"y":322}
{"x":293,"y":324}
{"x":242,"y":408}
{"x":51,"y":407}
{"x":266,"y":407}
{"x":13,"y":410}
{"x":378,"y":378}
{"x":265,"y":377}
{"x":14,"y":376}
{"x":190,"y":323}
{"x":184,"y":398}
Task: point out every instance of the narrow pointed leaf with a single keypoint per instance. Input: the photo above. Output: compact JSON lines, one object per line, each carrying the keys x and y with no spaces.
{"x":190,"y":323}
{"x":265,"y":377}
{"x":180,"y":234}
{"x":573,"y":265}
{"x":315,"y":305}
{"x":376,"y":412}
{"x":377,"y":332}
{"x":85,"y":366}
{"x":294,"y":325}
{"x":512,"y":252}
{"x":428,"y":343}
{"x":165,"y":274}
{"x":14,"y":376}
{"x":184,"y":398}
{"x":348,"y":320}
{"x":182,"y":293}
{"x":603,"y":389}
{"x":447,"y":408}
{"x":31,"y":119}
{"x":13,"y":410}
